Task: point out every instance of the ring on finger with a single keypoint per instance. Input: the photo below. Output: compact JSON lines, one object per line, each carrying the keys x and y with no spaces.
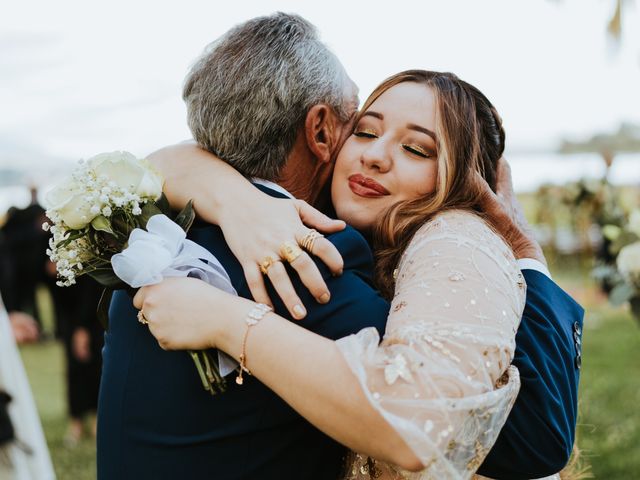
{"x":266,"y":264}
{"x":142,"y":319}
{"x":289,"y":251}
{"x":309,"y":239}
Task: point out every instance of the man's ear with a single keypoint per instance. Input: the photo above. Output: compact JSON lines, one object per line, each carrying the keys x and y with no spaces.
{"x":322,"y":132}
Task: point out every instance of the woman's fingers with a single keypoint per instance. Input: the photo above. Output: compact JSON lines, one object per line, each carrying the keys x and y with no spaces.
{"x":322,"y":248}
{"x":329,"y":255}
{"x":316,"y":219}
{"x":311,"y":277}
{"x":282,"y":284}
{"x":255,"y":282}
{"x":138,"y":299}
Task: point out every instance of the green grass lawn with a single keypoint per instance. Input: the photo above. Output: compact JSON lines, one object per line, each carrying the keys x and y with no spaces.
{"x":45,"y":366}
{"x":609,"y":423}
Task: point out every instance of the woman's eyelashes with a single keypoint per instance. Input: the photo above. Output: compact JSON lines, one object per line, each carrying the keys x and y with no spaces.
{"x":365,"y":133}
{"x":417,"y":150}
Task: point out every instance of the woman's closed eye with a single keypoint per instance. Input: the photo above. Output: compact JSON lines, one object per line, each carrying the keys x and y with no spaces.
{"x":417,"y":150}
{"x":365,"y":133}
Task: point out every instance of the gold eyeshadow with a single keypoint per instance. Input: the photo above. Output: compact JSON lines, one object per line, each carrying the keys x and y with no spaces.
{"x":365,"y":132}
{"x":416,"y":149}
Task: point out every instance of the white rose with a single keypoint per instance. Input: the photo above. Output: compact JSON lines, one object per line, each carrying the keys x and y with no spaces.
{"x":628,"y":261}
{"x":71,"y":204}
{"x":634,"y":222}
{"x":150,"y":185}
{"x":123,"y":168}
{"x":128,"y":173}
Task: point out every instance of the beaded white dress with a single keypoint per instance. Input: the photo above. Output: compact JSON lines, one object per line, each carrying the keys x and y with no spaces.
{"x":442,"y":376}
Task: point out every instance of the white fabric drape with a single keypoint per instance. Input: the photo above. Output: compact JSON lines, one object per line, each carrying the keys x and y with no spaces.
{"x":163,"y":250}
{"x":23,"y":413}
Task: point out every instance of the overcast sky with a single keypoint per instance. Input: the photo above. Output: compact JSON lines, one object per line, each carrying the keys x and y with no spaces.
{"x":81,"y":77}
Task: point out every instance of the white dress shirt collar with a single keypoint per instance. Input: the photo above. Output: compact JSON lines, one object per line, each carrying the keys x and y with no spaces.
{"x":272,"y":186}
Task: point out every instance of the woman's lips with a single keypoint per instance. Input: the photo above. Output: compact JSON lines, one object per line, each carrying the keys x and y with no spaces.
{"x":366,"y":187}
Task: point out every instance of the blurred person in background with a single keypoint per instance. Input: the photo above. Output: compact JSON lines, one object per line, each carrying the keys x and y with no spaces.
{"x":82,"y":336}
{"x":23,"y":256}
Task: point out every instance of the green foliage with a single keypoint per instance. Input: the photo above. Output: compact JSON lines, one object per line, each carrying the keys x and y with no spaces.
{"x":103,"y":308}
{"x":621,"y":293}
{"x":186,"y":217}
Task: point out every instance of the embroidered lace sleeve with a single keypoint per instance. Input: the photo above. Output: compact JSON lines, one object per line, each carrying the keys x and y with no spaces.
{"x":442,"y":376}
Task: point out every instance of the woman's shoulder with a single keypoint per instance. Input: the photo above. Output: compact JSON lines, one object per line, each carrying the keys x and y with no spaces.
{"x":465,"y":224}
{"x":459,"y":230}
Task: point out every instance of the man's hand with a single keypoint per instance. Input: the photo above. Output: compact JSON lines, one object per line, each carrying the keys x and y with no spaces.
{"x":505,"y":213}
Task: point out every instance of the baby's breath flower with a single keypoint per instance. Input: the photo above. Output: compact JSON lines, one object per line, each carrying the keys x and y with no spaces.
{"x":106,"y":211}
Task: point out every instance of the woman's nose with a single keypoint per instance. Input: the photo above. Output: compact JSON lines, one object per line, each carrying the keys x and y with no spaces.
{"x":377,"y":156}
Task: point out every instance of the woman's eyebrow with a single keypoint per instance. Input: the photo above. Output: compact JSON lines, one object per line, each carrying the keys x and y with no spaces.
{"x":371,"y":113}
{"x":410,"y":126}
{"x":418,"y":128}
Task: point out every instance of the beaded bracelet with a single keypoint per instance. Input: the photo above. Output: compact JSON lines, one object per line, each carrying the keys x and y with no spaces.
{"x":256,"y":314}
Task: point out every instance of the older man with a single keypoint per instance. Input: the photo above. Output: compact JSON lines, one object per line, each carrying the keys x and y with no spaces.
{"x":273,"y":102}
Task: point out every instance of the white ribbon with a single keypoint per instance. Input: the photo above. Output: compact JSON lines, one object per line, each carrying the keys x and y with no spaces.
{"x":163,"y":250}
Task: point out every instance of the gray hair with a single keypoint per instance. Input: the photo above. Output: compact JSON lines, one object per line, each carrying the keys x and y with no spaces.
{"x":249,"y":93}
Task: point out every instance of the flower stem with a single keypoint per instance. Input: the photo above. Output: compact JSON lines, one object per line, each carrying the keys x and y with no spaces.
{"x":208,"y":371}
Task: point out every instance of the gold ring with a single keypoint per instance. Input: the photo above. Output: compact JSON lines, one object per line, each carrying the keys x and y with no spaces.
{"x":289,"y":251}
{"x":142,"y":319}
{"x":309,"y":239}
{"x":266,"y":264}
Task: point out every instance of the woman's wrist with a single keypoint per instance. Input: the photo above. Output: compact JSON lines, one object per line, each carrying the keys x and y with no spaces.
{"x":228,"y":331}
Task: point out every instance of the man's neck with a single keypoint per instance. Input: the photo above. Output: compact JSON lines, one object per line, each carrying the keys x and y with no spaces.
{"x":298,"y":184}
{"x":298,"y":175}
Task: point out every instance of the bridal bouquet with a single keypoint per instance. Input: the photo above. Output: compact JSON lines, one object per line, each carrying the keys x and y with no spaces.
{"x":111,"y":221}
{"x":623,"y":273}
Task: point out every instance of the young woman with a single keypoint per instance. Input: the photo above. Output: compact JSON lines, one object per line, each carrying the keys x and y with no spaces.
{"x":433,"y":395}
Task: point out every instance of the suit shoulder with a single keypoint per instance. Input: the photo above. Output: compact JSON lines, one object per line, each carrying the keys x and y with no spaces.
{"x":349,"y":238}
{"x":353,"y":247}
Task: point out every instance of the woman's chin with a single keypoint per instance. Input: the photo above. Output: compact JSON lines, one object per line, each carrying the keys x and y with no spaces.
{"x":361,"y":221}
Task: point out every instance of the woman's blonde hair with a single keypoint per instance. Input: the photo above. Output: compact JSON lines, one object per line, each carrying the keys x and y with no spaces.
{"x":470,"y":139}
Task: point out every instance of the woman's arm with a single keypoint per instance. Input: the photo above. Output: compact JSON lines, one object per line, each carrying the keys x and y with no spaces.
{"x":305,"y":369}
{"x":255,"y":225}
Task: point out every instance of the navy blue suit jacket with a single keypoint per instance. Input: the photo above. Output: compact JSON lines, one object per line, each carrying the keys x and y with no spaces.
{"x":155,"y":421}
{"x":538,"y":437}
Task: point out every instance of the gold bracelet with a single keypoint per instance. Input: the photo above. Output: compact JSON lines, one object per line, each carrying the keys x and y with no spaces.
{"x":256,"y":314}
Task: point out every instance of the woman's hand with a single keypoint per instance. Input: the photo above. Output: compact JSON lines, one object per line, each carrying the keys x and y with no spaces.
{"x":256,"y":233}
{"x":179,"y":312}
{"x":255,"y":225}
